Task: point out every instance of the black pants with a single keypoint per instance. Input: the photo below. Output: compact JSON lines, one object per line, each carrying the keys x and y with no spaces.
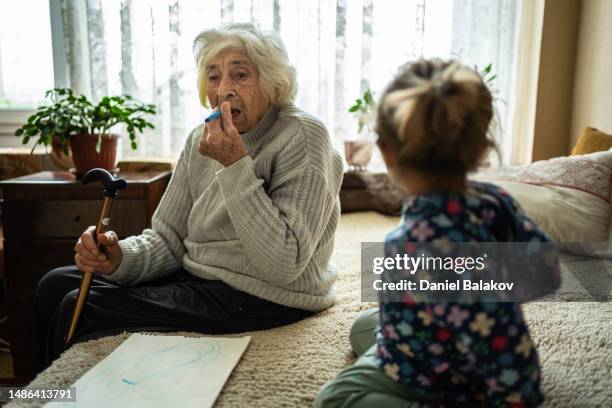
{"x":178,"y":302}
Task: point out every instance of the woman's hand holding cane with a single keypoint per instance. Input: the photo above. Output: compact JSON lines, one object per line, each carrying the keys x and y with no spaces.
{"x":104,"y":260}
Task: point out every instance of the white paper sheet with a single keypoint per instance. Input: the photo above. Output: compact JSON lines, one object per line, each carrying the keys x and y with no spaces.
{"x":160,"y":371}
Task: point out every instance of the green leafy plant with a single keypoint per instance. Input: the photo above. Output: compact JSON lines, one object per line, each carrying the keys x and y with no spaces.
{"x":487,"y":74}
{"x":364,"y":109}
{"x":69,"y":114}
{"x":488,"y":77}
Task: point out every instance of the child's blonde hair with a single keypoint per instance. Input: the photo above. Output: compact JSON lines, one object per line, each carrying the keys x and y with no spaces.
{"x":435,"y":114}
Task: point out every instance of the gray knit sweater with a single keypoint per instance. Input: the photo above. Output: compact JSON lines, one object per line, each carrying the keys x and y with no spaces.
{"x":264,"y":225}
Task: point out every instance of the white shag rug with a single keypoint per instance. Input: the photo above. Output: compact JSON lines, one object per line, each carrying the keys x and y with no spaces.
{"x":286,"y":366}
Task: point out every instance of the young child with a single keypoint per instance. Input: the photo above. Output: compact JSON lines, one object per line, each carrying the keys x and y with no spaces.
{"x":433,"y":123}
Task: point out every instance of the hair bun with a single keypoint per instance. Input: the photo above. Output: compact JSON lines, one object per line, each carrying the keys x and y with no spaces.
{"x":437,"y":114}
{"x":444,"y":88}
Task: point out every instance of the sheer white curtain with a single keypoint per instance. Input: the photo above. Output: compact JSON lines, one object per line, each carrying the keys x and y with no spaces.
{"x":339,"y":47}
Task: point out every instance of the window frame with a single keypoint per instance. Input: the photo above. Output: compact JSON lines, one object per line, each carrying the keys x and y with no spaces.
{"x":12,"y":118}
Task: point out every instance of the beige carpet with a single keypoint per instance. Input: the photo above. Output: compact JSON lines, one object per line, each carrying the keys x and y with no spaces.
{"x":286,"y":366}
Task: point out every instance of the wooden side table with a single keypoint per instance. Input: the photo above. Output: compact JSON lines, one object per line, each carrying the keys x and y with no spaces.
{"x":43,"y":214}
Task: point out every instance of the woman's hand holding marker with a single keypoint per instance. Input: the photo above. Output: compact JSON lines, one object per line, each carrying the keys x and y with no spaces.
{"x":216,"y":113}
{"x":221,"y":140}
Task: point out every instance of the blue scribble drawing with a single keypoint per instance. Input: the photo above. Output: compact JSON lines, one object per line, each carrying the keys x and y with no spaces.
{"x":160,"y":371}
{"x":159,"y":365}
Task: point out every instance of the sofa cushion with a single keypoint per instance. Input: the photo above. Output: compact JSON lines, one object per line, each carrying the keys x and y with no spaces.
{"x":592,"y":140}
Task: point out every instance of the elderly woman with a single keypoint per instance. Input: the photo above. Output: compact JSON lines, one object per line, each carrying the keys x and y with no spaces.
{"x":243,"y":235}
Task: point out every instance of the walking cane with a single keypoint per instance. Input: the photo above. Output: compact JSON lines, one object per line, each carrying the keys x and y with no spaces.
{"x":111,"y":187}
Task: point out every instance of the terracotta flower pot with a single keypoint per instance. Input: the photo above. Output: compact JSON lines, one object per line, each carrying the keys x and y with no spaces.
{"x":60,"y":160}
{"x":84,"y":153}
{"x":56,"y":147}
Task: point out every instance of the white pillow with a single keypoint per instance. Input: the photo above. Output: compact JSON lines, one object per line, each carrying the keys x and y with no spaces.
{"x":569,"y":197}
{"x":565,"y":214}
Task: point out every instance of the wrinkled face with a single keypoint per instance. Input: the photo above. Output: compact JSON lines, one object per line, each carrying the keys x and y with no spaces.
{"x":232,"y":77}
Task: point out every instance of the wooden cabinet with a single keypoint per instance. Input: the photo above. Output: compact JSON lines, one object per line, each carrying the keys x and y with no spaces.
{"x":43,"y":214}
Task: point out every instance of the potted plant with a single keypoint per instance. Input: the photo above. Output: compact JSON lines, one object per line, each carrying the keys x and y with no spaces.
{"x":358,"y":153}
{"x":71,"y":120}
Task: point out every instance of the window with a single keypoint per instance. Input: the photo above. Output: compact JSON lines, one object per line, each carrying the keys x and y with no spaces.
{"x":26,"y":59}
{"x":339,"y":47}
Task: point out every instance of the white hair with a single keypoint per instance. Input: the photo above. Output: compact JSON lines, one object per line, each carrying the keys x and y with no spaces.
{"x":277,"y":77}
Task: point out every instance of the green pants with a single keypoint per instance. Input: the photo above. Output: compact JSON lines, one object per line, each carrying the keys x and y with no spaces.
{"x":363,"y":384}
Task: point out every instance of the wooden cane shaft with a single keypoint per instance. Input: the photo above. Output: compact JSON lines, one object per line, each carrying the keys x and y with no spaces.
{"x":78,"y":305}
{"x":104,"y":219}
{"x":103,"y":222}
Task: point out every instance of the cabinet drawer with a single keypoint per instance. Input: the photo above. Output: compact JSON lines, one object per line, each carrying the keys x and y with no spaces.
{"x":69,"y":218}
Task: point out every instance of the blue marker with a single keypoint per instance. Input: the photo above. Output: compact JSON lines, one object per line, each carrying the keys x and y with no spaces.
{"x":213,"y":116}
